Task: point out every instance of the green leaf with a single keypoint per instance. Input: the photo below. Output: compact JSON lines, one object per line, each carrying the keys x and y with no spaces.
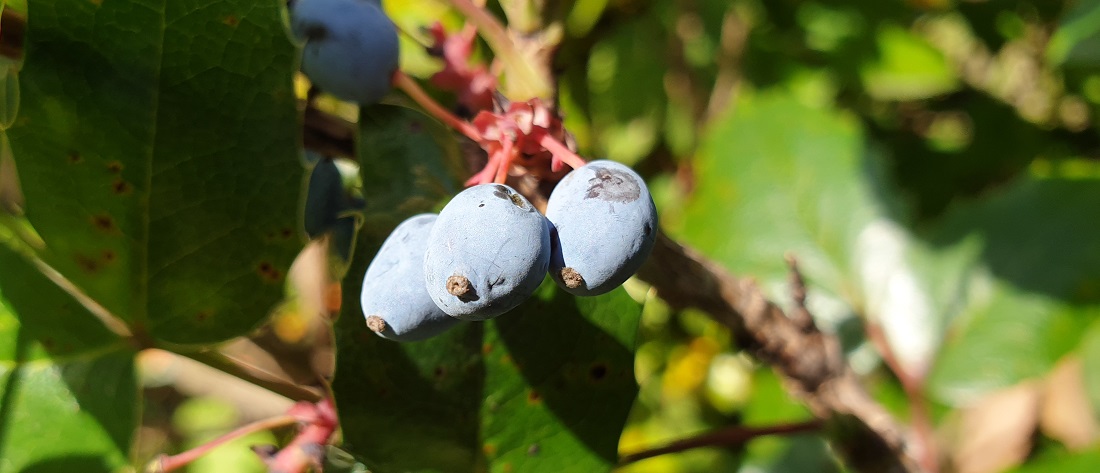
{"x":1090,"y":363}
{"x":626,"y":92}
{"x":907,"y":68}
{"x":1037,"y":291}
{"x":68,"y":391}
{"x":157,"y":147}
{"x":778,"y":177}
{"x":775,"y":177}
{"x":1084,"y":462}
{"x":546,"y":387}
{"x":1076,"y":41}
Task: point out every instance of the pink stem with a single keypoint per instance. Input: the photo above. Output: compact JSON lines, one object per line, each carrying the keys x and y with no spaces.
{"x":174,"y":462}
{"x":407,"y":84}
{"x":508,"y":153}
{"x":307,"y":449}
{"x":561,"y":152}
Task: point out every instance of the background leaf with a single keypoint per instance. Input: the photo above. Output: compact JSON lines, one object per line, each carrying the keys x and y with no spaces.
{"x":1036,"y":292}
{"x":157,"y":146}
{"x":68,"y":391}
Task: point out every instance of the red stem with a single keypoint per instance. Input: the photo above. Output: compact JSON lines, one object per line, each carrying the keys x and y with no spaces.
{"x":561,"y":152}
{"x":307,"y":449}
{"x":174,"y":462}
{"x":413,"y":89}
{"x":914,"y":391}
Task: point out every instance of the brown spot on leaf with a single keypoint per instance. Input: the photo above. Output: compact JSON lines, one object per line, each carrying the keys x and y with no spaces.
{"x":231,"y":20}
{"x":203,"y":315}
{"x":439,"y":372}
{"x":104,"y":223}
{"x":533,"y":397}
{"x":90,"y":265}
{"x":486,"y":348}
{"x":75,"y":157}
{"x":286,"y":232}
{"x":121,"y":187}
{"x":489,"y":449}
{"x":114,"y":167}
{"x":598,"y":371}
{"x":269,"y":273}
{"x":109,"y":256}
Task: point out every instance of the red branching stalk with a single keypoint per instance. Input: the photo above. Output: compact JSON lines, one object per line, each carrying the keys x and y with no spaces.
{"x":307,"y":450}
{"x":167,"y":464}
{"x":472,"y":84}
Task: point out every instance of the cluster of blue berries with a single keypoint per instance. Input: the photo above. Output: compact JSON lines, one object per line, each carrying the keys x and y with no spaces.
{"x":489,"y":249}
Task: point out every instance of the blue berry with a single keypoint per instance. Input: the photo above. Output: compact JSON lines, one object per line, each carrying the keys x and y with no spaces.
{"x":331,"y":195}
{"x":488,"y":252}
{"x":605,"y":225}
{"x":351,"y":47}
{"x":394,"y":300}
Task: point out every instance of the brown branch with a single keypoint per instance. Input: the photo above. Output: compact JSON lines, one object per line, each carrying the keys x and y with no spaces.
{"x":13,"y":27}
{"x":812,"y":363}
{"x":797,"y":283}
{"x":726,"y":437}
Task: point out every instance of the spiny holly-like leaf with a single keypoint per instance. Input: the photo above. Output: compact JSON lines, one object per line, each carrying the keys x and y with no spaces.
{"x":68,"y":391}
{"x":156,"y":143}
{"x":546,"y":387}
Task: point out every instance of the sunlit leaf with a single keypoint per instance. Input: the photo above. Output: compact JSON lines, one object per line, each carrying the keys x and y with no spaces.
{"x":157,"y":149}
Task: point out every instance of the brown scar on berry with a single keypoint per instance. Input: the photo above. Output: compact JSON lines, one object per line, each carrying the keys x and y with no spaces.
{"x":203,"y":315}
{"x":286,"y":232}
{"x":571,"y":278}
{"x":459,"y":286}
{"x":109,"y":256}
{"x":376,"y":324}
{"x":518,"y":201}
